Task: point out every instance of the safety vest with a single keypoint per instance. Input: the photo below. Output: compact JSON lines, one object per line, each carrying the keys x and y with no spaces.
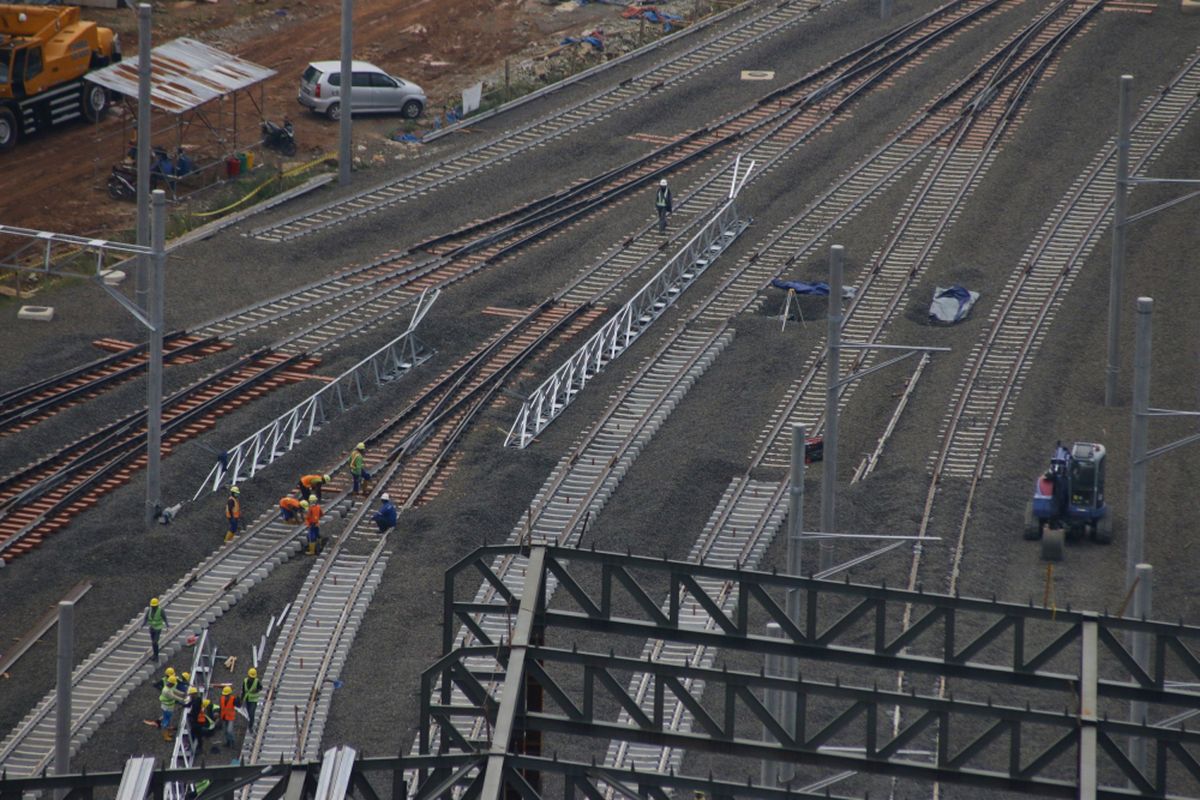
{"x":356,"y":463}
{"x":309,"y":481}
{"x":167,"y":697}
{"x":289,"y":504}
{"x":233,"y":509}
{"x":314,"y":514}
{"x":156,"y":619}
{"x":662,"y":197}
{"x":251,"y":690}
{"x":228,"y":707}
{"x":201,"y":717}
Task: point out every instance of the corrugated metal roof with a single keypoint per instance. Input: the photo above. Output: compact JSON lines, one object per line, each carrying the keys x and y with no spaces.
{"x":184,"y":74}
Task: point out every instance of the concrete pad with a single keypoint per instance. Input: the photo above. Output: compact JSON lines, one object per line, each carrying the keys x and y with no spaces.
{"x":112,"y":277}
{"x":36,"y":313}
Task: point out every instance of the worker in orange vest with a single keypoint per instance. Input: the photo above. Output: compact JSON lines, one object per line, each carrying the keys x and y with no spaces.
{"x":233,"y":513}
{"x":291,"y":509}
{"x":228,"y":714}
{"x":310,"y":485}
{"x":313,"y":519}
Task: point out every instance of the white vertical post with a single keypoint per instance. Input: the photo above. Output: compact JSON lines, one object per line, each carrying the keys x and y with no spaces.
{"x":155,"y":355}
{"x":1116,"y":277}
{"x":142,"y":279}
{"x":62,"y":700}
{"x":344,"y":95}
{"x":795,"y":543}
{"x":833,"y":374}
{"x":1135,"y":544}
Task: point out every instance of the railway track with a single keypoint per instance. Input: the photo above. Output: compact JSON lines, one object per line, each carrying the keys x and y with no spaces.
{"x":763,"y":25}
{"x":752,"y":510}
{"x":23,"y":408}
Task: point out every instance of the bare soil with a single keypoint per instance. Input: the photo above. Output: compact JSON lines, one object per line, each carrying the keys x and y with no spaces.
{"x":56,"y":180}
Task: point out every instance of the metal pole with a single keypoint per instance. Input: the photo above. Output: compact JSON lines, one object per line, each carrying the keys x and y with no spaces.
{"x":773,"y":702}
{"x":833,"y":374}
{"x":155,"y":393}
{"x":1141,"y":654}
{"x":344,"y":92}
{"x":1089,"y":715}
{"x":885,"y":9}
{"x":142,"y":279}
{"x":62,"y":700}
{"x":1116,"y":278}
{"x":1135,"y":546}
{"x":795,"y":543}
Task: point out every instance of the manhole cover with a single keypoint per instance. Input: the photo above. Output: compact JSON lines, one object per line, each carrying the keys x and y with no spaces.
{"x":758,"y":74}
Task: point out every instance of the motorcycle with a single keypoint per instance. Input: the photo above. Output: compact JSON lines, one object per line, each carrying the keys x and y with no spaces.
{"x":122,"y":183}
{"x":280,"y":137}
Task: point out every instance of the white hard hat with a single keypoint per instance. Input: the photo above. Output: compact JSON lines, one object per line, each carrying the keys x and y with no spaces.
{"x":384,"y":496}
{"x":663,"y":182}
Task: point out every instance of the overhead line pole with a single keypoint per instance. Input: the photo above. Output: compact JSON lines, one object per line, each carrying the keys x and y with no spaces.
{"x":155,"y":390}
{"x":142,"y":278}
{"x":345,"y":90}
{"x":833,"y":387}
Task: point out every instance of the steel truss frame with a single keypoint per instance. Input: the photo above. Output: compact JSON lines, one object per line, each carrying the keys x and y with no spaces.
{"x":1076,"y":751}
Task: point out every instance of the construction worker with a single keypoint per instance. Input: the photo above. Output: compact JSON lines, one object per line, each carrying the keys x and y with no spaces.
{"x":233,"y":512}
{"x":251,"y":692}
{"x":662,"y":202}
{"x":156,"y":620}
{"x":168,"y":698}
{"x":292,"y":510}
{"x":313,"y":519}
{"x":385,"y":517}
{"x":185,"y":682}
{"x":191,"y":712}
{"x":358,"y":468}
{"x":206,"y":725}
{"x":311,"y":484}
{"x":228,"y":714}
{"x":161,"y":682}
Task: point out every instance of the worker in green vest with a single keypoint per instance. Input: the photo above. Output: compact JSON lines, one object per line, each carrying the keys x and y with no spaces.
{"x":358,"y":468}
{"x":168,"y":698}
{"x":156,"y":620}
{"x":251,"y":692}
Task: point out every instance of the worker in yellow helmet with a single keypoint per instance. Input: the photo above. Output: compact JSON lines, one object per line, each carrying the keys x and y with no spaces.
{"x":155,"y":620}
{"x":251,"y":692}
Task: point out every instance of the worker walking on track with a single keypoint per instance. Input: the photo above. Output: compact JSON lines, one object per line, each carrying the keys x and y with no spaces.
{"x":292,"y":510}
{"x":156,"y":620}
{"x":233,"y":512}
{"x":313,"y":520}
{"x":358,"y":468}
{"x":168,"y":698}
{"x":662,"y":203}
{"x":228,"y":714}
{"x":385,"y":517}
{"x":251,"y":692}
{"x":310,"y":485}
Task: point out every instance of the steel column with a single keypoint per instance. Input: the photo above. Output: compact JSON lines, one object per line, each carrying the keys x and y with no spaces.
{"x":1089,"y":673}
{"x":1135,"y":546}
{"x":154,"y":390}
{"x":833,"y":374}
{"x":62,"y":700}
{"x":1141,"y":654}
{"x":142,"y":279}
{"x":1116,"y":278}
{"x":344,"y":93}
{"x":773,"y":700}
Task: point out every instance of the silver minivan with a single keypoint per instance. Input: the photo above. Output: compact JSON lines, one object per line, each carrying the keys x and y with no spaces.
{"x":374,"y":90}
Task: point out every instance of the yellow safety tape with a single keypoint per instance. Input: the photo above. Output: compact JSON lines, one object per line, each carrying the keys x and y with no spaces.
{"x":289,"y":173}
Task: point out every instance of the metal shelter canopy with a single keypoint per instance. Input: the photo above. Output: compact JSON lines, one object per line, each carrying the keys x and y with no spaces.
{"x":185,"y":74}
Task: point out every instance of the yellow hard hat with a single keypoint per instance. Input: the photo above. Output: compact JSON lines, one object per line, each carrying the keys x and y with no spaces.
{"x":227,"y":690}
{"x":171,"y":681}
{"x":304,"y":504}
{"x":193,"y":690}
{"x":153,"y":602}
{"x":361,"y":446}
{"x":312,"y":498}
{"x":253,"y":673}
{"x":235,"y":490}
{"x":170,"y":672}
{"x":206,"y":703}
{"x":187,"y":676}
{"x":325,"y":479}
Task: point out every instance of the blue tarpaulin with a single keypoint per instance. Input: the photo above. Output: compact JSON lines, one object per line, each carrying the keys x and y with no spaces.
{"x":802,"y":287}
{"x":596,"y":42}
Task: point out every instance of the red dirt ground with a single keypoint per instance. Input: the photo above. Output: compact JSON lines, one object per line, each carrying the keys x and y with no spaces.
{"x":56,"y":180}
